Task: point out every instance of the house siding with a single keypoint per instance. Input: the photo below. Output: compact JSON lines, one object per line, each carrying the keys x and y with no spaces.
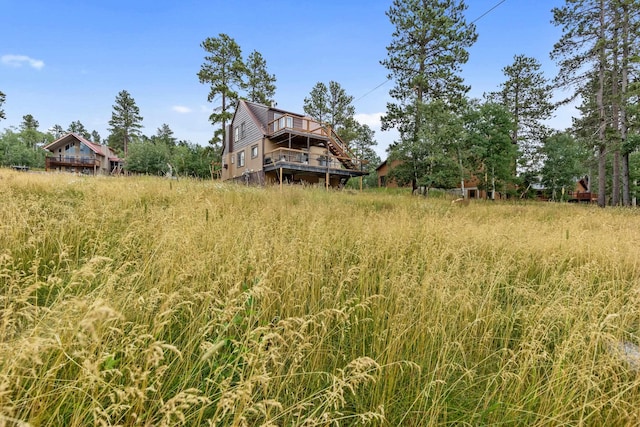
{"x":253,"y":136}
{"x":252,"y":133}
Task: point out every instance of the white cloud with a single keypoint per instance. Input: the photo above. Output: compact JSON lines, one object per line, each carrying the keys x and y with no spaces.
{"x":181,"y":109}
{"x":20,"y":60}
{"x":372,"y":119}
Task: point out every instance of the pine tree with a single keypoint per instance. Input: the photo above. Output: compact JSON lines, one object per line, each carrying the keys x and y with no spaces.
{"x":526,"y":94}
{"x":29,"y":131}
{"x":57,"y":131}
{"x":428,"y":47}
{"x":330,"y":104}
{"x":316,"y":104}
{"x":260,"y":84}
{"x":78,"y":128}
{"x":164,"y":135}
{"x":627,"y":21}
{"x":581,"y":49}
{"x":223,"y":69}
{"x":29,"y":123}
{"x":95,"y":137}
{"x":125,"y":122}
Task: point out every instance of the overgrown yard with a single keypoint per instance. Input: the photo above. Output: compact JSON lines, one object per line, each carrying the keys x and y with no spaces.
{"x":135,"y":301}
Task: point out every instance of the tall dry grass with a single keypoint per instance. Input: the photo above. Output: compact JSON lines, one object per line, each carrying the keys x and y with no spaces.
{"x":144,"y":302}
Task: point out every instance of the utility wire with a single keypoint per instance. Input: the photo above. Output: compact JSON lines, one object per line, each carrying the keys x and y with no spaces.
{"x":487,"y":12}
{"x":472,"y":22}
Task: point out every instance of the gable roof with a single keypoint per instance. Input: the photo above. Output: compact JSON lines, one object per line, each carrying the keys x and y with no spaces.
{"x":257,"y":112}
{"x":101,"y":150}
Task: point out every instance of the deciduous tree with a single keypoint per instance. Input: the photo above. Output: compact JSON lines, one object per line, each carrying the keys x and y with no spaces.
{"x":563,"y":164}
{"x":490,"y":128}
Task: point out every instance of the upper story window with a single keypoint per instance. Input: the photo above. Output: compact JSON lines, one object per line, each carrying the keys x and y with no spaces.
{"x":241,"y":159}
{"x":282,"y":122}
{"x":85,"y":151}
{"x":254,"y":151}
{"x":236,"y":134}
{"x":242,"y":130}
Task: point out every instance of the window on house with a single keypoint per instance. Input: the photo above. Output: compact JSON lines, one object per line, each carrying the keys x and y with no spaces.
{"x":254,"y":151}
{"x":233,"y":159}
{"x":241,"y":159}
{"x":242,"y":130}
{"x":236,"y":134}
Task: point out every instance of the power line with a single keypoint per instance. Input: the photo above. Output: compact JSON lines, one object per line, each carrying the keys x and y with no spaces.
{"x":375,"y":88}
{"x":487,"y":12}
{"x":472,"y":22}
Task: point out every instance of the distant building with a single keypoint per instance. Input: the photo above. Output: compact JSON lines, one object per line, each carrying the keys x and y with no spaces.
{"x":74,"y":153}
{"x":383,"y":174}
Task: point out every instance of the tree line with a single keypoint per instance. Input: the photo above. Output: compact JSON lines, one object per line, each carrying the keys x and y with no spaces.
{"x":502,"y":139}
{"x":160,"y":153}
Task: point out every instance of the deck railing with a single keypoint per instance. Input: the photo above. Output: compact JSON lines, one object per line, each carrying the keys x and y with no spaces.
{"x":303,"y":157}
{"x":296,"y":124}
{"x":72,"y":161}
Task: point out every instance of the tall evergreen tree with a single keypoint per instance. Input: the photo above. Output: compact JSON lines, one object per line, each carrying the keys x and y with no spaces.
{"x":164,"y":135}
{"x":125,"y":122}
{"x":3,"y":98}
{"x":29,"y":123}
{"x":330,"y":104}
{"x":316,"y":104}
{"x":627,"y":37}
{"x":95,"y":137}
{"x":78,"y":128}
{"x":526,"y":94}
{"x":581,"y":49}
{"x":223,"y":70}
{"x":57,"y":131}
{"x":260,"y":84}
{"x":29,"y":133}
{"x":429,"y":46}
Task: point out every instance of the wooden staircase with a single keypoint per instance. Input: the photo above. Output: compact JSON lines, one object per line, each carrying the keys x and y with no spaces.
{"x":338,"y":148}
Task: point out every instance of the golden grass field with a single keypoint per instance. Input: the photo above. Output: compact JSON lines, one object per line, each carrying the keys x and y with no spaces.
{"x":148,"y":302}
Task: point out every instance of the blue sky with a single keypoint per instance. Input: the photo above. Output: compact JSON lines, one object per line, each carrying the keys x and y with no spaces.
{"x":66,"y":61}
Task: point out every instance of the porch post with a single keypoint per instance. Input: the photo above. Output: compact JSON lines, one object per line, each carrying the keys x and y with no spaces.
{"x":326,"y":179}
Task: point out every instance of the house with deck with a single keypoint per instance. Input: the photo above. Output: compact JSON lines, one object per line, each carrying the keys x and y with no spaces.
{"x":267,"y":145}
{"x":74,"y":153}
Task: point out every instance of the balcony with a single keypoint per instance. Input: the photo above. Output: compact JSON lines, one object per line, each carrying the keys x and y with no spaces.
{"x":286,"y":125}
{"x":71,"y":161}
{"x":291,"y":160}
